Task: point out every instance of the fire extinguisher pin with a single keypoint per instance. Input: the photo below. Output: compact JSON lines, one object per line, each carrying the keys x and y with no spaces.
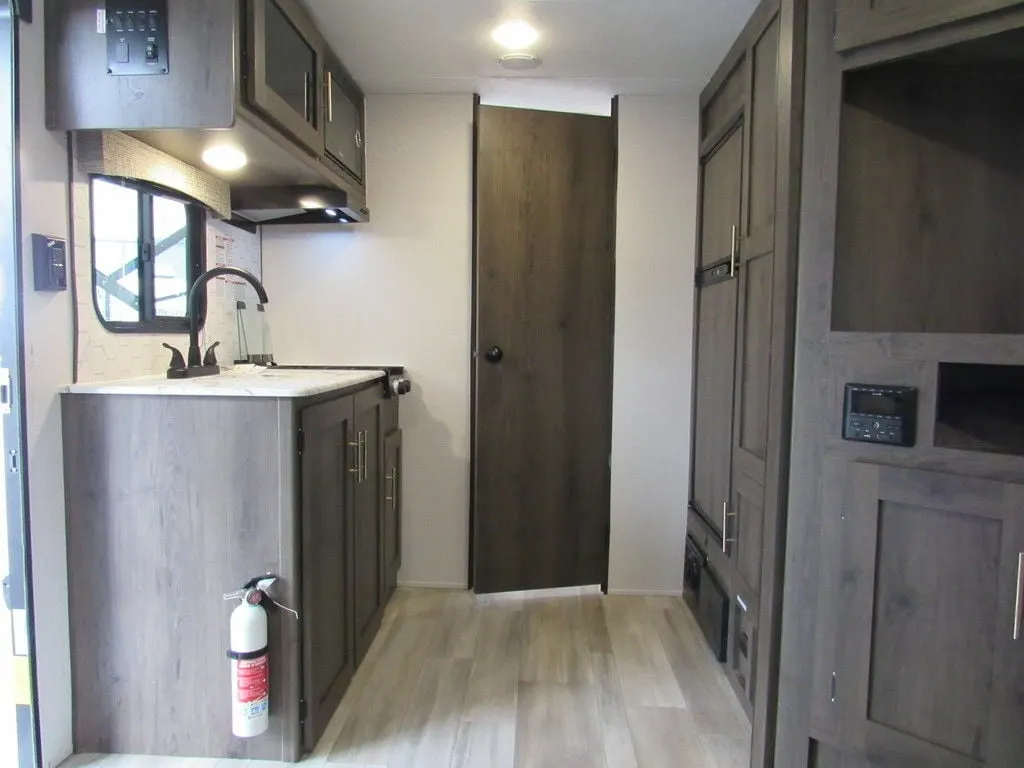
{"x":262,"y":587}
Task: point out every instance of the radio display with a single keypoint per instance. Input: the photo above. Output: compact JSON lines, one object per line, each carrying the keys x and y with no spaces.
{"x":875,"y":404}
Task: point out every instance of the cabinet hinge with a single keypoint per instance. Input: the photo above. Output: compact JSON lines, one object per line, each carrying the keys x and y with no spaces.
{"x":832,"y":689}
{"x":300,"y":441}
{"x":303,"y":711}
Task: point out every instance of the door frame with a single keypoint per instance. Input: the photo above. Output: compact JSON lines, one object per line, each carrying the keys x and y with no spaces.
{"x":473,"y":385}
{"x":12,"y":339}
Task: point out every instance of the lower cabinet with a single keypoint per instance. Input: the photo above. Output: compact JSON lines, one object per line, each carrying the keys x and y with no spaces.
{"x":345,"y":520}
{"x":223,"y":489}
{"x":928,"y":649}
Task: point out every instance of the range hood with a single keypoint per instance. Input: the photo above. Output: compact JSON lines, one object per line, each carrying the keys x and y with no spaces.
{"x":295,"y":204}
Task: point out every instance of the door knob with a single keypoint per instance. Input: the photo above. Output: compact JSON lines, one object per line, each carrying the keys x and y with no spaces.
{"x":494,"y":354}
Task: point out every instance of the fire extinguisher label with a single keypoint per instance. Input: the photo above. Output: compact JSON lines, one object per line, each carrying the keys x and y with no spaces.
{"x":254,"y":684}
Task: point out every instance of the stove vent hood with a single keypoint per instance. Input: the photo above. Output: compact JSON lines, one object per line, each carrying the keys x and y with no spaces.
{"x":298,"y":204}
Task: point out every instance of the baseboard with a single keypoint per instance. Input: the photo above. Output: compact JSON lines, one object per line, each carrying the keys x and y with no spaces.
{"x":431,"y":585}
{"x":647,"y":592}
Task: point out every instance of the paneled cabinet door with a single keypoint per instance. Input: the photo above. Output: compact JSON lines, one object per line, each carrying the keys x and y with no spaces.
{"x":713,"y":382}
{"x":343,"y":120}
{"x":930,"y":660}
{"x":721,"y":200}
{"x":862,"y":22}
{"x":329,"y":658}
{"x":368,"y":552}
{"x":284,"y":61}
{"x":392,"y":511}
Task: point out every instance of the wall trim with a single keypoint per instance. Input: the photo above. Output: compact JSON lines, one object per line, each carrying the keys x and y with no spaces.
{"x":433,"y":585}
{"x":646,"y":592}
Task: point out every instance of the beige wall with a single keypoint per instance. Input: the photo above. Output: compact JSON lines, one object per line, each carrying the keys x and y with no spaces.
{"x":655,"y":247}
{"x":398,"y":290}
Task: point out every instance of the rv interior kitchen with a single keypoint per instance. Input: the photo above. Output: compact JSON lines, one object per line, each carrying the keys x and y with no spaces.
{"x":511,"y":384}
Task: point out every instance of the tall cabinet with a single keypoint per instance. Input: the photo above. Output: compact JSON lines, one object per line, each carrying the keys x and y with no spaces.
{"x":744,"y":329}
{"x":903,"y":619}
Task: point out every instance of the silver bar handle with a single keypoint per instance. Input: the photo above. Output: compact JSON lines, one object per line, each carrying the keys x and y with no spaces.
{"x":366,"y":454}
{"x":330,"y":96}
{"x":1020,"y":597}
{"x":359,"y":457}
{"x":305,"y":96}
{"x":726,"y":541}
{"x":362,"y":455}
{"x":359,"y":139}
{"x":733,"y":247}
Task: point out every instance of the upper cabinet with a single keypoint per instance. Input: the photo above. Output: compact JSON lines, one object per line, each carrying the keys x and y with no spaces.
{"x":343,"y":115}
{"x":862,"y":22}
{"x":283,"y":63}
{"x":253,"y":74}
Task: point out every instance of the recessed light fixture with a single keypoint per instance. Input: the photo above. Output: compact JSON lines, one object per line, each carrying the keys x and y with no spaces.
{"x":224,"y":157}
{"x":515,"y":35}
{"x":332,"y":213}
{"x":519,"y":61}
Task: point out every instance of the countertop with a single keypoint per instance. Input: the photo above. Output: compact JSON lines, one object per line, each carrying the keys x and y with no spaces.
{"x":240,"y":381}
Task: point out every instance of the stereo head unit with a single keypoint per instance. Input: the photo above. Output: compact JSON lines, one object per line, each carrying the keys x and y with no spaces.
{"x":875,"y":413}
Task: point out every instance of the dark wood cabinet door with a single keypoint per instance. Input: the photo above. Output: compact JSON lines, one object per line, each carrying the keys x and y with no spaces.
{"x":284,"y":58}
{"x":713,"y":402}
{"x":928,"y":670}
{"x":392,"y":511}
{"x":344,"y":142}
{"x":862,"y":22}
{"x":746,"y":529}
{"x":721,"y":197}
{"x":328,"y":637}
{"x":367,"y":534}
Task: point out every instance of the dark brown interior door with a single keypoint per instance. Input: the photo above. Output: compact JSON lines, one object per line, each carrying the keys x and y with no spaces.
{"x":545,"y":280}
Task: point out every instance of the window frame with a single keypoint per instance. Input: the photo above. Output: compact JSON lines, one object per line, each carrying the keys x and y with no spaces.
{"x":195,"y":244}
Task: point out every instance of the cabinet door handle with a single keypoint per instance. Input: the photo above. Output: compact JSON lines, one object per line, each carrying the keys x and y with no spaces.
{"x":733,"y":247}
{"x":392,"y":477}
{"x":355,"y":470}
{"x":365,"y":454}
{"x":330,"y":96}
{"x":305,"y":96}
{"x":726,"y":541}
{"x":1020,"y":596}
{"x":359,"y":139}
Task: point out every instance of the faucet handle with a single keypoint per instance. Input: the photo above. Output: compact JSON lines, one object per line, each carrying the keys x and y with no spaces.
{"x":177,"y":359}
{"x":211,"y":355}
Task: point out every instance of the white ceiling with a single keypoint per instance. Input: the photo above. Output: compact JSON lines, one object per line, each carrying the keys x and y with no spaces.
{"x":589,"y":47}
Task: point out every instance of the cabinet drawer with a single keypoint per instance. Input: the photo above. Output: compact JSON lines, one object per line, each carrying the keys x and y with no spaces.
{"x":862,"y":22}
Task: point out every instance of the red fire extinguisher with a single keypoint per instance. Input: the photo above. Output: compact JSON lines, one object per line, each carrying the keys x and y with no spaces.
{"x":250,"y":661}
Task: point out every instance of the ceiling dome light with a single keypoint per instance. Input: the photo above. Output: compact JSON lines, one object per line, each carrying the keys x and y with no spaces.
{"x":519,"y":62}
{"x":515,"y":35}
{"x":224,"y":157}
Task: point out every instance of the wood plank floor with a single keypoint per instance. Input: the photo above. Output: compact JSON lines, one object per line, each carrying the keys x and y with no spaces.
{"x":559,"y":679}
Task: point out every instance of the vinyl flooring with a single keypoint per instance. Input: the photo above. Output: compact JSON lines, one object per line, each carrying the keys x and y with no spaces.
{"x":560,"y":679}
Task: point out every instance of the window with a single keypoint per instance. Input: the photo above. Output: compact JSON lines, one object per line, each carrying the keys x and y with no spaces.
{"x":147,"y":250}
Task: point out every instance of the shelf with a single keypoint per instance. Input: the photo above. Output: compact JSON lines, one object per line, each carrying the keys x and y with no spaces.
{"x":931,"y":189}
{"x":981,"y":408}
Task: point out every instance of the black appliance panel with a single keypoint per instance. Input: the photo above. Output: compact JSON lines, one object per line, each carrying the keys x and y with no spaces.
{"x":875,"y":413}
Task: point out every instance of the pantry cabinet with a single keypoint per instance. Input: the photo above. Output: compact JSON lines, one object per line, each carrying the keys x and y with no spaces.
{"x":745,"y":298}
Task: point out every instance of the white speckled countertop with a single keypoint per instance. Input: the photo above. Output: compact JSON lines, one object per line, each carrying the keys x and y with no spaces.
{"x":240,"y":381}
